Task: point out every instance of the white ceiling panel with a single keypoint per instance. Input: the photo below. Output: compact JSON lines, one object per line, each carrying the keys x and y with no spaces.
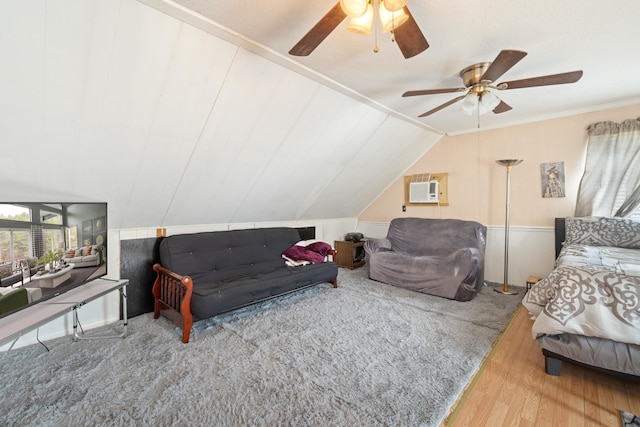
{"x":171,"y":125}
{"x":197,"y":72}
{"x":387,"y":154}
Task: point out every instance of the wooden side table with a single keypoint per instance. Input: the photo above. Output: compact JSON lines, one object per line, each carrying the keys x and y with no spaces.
{"x":346,"y":256}
{"x":532,"y":280}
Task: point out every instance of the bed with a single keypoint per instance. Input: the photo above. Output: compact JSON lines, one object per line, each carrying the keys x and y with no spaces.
{"x":587,"y":310}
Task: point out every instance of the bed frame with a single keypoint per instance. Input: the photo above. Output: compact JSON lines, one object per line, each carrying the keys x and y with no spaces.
{"x":553,"y":364}
{"x":553,"y":361}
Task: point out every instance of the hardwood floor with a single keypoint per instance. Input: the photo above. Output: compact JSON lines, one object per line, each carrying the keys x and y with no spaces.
{"x":512,"y":389}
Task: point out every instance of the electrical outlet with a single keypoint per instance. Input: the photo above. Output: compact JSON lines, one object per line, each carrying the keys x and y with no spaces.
{"x":404,"y":208}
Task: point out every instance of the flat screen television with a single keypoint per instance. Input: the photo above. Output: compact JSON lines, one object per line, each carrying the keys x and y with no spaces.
{"x":48,"y":249}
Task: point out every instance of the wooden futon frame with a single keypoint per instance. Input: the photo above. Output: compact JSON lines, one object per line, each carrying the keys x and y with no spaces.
{"x":172,"y":293}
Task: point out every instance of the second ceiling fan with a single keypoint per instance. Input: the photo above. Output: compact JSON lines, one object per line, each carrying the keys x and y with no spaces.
{"x":479,"y":81}
{"x":394,"y":17}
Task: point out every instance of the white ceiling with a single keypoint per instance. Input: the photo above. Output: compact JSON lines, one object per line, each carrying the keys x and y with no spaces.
{"x":173,"y":119}
{"x":559,"y":36}
{"x":114,"y":101}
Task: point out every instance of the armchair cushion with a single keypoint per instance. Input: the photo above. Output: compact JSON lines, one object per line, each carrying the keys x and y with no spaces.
{"x":13,"y":299}
{"x":8,"y":276}
{"x":443,"y":257}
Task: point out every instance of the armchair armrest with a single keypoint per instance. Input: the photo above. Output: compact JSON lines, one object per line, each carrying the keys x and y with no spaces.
{"x":377,"y":245}
{"x":15,"y":277}
{"x":172,"y":293}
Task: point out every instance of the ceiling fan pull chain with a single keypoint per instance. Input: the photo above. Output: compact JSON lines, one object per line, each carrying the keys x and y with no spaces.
{"x":376,"y":48}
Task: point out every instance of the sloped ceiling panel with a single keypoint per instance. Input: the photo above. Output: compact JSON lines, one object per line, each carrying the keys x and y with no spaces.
{"x":117,"y":102}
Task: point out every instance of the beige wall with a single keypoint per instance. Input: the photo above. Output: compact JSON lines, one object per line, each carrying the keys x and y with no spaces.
{"x":477,"y":183}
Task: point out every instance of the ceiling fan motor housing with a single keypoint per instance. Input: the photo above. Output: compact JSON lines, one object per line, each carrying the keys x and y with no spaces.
{"x":473,"y":73}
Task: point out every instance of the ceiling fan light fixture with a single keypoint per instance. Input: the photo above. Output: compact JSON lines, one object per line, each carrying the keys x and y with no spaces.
{"x":391,"y":20}
{"x":394,"y":5}
{"x":484,"y":102}
{"x":470,"y":103}
{"x":354,"y":8}
{"x":362,"y":25}
{"x":487,"y":102}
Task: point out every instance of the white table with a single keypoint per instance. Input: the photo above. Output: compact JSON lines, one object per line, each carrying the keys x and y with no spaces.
{"x":51,"y":280}
{"x":13,"y":326}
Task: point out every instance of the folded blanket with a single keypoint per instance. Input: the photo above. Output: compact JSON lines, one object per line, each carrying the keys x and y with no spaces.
{"x":306,"y":252}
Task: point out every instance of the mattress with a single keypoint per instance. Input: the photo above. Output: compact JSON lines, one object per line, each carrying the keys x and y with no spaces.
{"x":597,"y":352}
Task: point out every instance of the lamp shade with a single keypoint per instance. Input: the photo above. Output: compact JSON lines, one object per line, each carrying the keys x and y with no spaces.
{"x":485,"y":101}
{"x":508,"y":162}
{"x":362,"y":25}
{"x":391,"y":20}
{"x":470,"y":103}
{"x":354,"y":8}
{"x":488,"y":101}
{"x":394,"y":5}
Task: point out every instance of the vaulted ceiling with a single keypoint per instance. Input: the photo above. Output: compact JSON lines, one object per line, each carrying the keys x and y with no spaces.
{"x":558,"y":36}
{"x":193,"y":112}
{"x":170,"y":125}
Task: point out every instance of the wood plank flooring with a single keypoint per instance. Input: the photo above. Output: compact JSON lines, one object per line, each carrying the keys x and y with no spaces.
{"x":512,"y":389}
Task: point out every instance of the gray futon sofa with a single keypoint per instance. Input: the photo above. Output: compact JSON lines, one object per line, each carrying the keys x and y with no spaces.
{"x":204,"y":274}
{"x":443,"y":257}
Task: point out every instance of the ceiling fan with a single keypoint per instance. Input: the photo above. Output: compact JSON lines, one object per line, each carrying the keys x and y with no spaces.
{"x":479,"y":81}
{"x":394,"y":17}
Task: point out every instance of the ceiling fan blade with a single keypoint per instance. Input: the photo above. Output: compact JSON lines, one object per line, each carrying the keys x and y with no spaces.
{"x":440,"y":107}
{"x":503,"y":63}
{"x":552,"y":79}
{"x":432,"y":91}
{"x":502,"y":107}
{"x":319,"y":32}
{"x":410,"y":39}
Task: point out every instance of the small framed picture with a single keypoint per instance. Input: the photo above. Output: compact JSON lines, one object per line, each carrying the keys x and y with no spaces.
{"x":99,"y":225}
{"x":99,"y":239}
{"x":87,"y":227}
{"x":552,"y":178}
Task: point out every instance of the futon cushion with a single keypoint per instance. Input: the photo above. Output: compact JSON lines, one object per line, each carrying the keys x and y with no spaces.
{"x":211,"y":298}
{"x":227,"y":255}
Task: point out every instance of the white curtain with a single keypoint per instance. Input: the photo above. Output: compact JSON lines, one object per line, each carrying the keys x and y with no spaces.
{"x":610,"y":185}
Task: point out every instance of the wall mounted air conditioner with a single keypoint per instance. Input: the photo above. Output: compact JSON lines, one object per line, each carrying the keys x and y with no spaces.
{"x":423,"y":192}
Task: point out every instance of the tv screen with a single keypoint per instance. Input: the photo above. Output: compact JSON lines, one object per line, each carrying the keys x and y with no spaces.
{"x":47,"y":249}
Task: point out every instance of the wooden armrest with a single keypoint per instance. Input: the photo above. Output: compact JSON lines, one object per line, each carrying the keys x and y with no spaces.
{"x":172,"y":293}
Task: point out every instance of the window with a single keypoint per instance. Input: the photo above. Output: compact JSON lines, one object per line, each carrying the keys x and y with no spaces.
{"x":610,"y":185}
{"x":15,"y":213}
{"x":72,"y":237}
{"x":53,"y":239}
{"x":50,"y":218}
{"x":14,"y":245}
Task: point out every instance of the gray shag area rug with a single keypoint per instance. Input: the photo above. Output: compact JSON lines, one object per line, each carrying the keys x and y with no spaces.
{"x":364,"y":354}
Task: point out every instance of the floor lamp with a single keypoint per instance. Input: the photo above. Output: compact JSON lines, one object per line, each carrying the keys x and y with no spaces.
{"x":505,"y":288}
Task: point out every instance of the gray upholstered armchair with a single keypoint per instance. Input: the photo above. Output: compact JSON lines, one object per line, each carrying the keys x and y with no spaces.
{"x":443,"y":257}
